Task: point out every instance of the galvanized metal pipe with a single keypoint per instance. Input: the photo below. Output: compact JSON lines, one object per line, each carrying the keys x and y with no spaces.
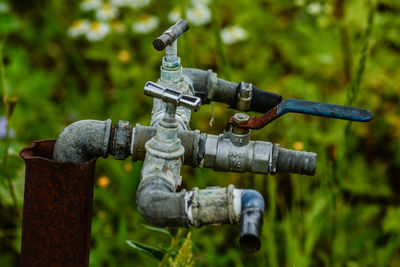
{"x":210,"y":88}
{"x":82,"y":141}
{"x":87,"y":139}
{"x":230,"y":152}
{"x":171,"y":51}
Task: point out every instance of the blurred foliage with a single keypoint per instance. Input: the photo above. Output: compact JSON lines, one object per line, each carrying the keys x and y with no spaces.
{"x":346,"y":215}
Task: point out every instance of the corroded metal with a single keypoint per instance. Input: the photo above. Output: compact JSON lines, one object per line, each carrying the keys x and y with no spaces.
{"x":120,"y":140}
{"x":83,"y":140}
{"x":58,"y":195}
{"x":305,"y":107}
{"x":213,"y":205}
{"x":255,"y":122}
{"x":170,"y":35}
{"x":57,"y":209}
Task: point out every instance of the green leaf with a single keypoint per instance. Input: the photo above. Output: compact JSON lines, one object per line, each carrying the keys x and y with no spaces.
{"x":158,"y":230}
{"x":148,"y":250}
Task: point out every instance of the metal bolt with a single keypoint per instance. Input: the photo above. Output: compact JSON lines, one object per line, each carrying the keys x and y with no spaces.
{"x":246,"y":90}
{"x":241,"y":118}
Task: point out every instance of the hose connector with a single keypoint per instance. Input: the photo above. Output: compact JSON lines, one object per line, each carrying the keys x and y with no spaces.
{"x":288,"y":160}
{"x":251,"y":220}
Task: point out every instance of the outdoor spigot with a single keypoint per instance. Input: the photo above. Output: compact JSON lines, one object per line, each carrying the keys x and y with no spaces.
{"x":168,"y":127}
{"x":171,"y":70}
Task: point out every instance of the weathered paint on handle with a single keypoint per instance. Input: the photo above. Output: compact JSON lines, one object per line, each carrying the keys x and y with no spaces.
{"x":324,"y":110}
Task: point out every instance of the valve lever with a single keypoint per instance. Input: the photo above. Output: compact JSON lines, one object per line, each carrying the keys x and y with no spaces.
{"x":172,"y":96}
{"x":305,"y":107}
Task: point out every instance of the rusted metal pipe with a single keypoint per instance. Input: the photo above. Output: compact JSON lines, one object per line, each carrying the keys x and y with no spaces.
{"x":305,"y":107}
{"x":57,"y":211}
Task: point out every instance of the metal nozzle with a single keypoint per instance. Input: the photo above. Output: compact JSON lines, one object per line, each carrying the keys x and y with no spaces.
{"x":251,"y":220}
{"x":250,"y":229}
{"x":170,"y":35}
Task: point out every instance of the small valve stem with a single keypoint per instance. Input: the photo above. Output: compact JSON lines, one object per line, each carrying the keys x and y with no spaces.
{"x":172,"y":51}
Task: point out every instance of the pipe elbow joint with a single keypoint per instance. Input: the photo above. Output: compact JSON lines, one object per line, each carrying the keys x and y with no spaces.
{"x":251,"y":220}
{"x":82,"y":141}
{"x":160,"y":206}
{"x":252,"y":198}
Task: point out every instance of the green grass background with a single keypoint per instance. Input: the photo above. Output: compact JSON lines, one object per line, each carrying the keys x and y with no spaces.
{"x":348,"y":214}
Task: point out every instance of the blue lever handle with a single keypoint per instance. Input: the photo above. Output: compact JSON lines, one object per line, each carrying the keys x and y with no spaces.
{"x":324,"y":110}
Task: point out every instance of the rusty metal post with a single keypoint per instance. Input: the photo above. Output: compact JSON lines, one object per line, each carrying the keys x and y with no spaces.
{"x":57,"y":211}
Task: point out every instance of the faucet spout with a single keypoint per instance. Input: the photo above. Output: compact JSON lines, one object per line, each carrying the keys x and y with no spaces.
{"x":87,"y":139}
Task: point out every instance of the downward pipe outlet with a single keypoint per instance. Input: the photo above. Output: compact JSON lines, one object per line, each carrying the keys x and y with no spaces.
{"x":88,"y":139}
{"x":251,"y":220}
{"x":82,"y":141}
{"x":160,"y":204}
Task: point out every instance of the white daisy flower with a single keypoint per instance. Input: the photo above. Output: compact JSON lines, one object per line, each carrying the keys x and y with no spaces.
{"x":120,"y":3}
{"x":233,"y":34}
{"x":106,"y":12}
{"x":97,"y":31}
{"x":145,"y":24}
{"x":139,"y":3}
{"x":175,"y":14}
{"x":314,"y":8}
{"x":199,"y":14}
{"x":4,"y":7}
{"x":87,"y":5}
{"x":204,"y":2}
{"x":78,"y":27}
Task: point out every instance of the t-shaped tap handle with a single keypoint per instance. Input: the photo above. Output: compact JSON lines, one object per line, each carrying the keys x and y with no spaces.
{"x":172,"y":96}
{"x":170,"y":35}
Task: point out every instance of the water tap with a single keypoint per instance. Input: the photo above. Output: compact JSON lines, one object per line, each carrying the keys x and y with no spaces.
{"x":168,"y":143}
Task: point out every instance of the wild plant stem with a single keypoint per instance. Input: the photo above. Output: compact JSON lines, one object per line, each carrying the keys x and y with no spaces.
{"x":355,"y":85}
{"x":339,"y":13}
{"x":173,"y":244}
{"x":7,"y":137}
{"x":222,"y":64}
{"x":354,"y":89}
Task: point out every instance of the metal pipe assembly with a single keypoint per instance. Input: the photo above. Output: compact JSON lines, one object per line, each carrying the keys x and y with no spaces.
{"x":168,"y":143}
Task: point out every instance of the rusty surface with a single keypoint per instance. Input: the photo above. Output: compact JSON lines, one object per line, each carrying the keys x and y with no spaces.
{"x":111,"y":143}
{"x":57,"y":209}
{"x":255,"y":122}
